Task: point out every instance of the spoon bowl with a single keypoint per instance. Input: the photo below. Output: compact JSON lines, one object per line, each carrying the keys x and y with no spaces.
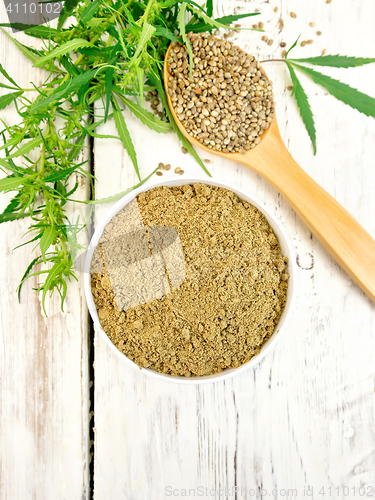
{"x":342,"y":236}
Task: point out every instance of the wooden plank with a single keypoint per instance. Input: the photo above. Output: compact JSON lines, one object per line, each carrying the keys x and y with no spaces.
{"x":44,"y":430}
{"x":304,"y":416}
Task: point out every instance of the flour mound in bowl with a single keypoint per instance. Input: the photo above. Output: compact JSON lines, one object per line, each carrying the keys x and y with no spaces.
{"x":232,"y":295}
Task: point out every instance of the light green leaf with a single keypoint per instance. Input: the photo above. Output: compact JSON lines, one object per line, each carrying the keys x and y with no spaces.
{"x":303,"y":105}
{"x":63,"y":90}
{"x":343,"y":92}
{"x":123,"y":193}
{"x":166,"y":34}
{"x":77,"y":146}
{"x":12,"y":142}
{"x":65,"y":48}
{"x":95,"y":22}
{"x":11,"y":182}
{"x":48,"y":236}
{"x":26,"y":148}
{"x":336,"y":61}
{"x":26,"y":52}
{"x":181,"y":26}
{"x":146,"y":117}
{"x":141,"y":77}
{"x":211,"y":22}
{"x":123,"y":132}
{"x":7,"y":99}
{"x":146,"y":34}
{"x":89,"y":11}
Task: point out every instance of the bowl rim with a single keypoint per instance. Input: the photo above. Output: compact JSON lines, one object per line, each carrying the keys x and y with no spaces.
{"x":287,"y":250}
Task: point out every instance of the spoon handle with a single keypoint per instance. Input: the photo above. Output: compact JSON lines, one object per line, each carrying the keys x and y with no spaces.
{"x":342,"y":236}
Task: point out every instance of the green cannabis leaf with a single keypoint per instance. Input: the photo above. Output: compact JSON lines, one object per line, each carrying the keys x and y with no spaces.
{"x":303,"y":105}
{"x":123,"y":132}
{"x":335,"y":61}
{"x":343,"y":92}
{"x":108,"y":53}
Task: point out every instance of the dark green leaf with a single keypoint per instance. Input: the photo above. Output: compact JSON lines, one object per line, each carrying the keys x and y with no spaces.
{"x":89,"y":11}
{"x":336,"y":61}
{"x":7,"y":217}
{"x":69,"y":5}
{"x":64,"y":90}
{"x":32,"y":29}
{"x":209,"y":8}
{"x":108,"y":89}
{"x":70,"y":68}
{"x":304,"y":106}
{"x":60,"y":174}
{"x":292,"y":47}
{"x":123,"y":132}
{"x":37,"y":237}
{"x":348,"y":95}
{"x":10,"y":79}
{"x":13,"y":204}
{"x":7,"y":99}
{"x":4,"y":86}
{"x":24,"y":277}
{"x":235,"y":17}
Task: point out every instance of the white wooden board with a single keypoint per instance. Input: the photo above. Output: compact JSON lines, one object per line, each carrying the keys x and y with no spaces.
{"x":44,"y":405}
{"x":304,"y":417}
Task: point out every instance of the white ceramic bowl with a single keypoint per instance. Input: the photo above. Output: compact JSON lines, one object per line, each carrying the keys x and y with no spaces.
{"x":286,"y":248}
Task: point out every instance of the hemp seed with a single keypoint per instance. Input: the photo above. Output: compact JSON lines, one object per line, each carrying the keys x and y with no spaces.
{"x":235,"y":104}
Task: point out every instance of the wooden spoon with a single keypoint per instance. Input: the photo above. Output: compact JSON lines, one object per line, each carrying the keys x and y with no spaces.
{"x":346,"y":240}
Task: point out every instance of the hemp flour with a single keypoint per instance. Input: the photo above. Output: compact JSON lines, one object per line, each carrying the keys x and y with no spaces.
{"x":232,"y":296}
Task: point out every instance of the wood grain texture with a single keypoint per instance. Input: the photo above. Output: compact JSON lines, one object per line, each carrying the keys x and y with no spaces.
{"x":304,"y":417}
{"x":44,"y":438}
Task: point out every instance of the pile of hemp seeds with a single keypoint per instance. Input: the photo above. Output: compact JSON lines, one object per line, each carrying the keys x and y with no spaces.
{"x":231,"y":299}
{"x":227,"y":102}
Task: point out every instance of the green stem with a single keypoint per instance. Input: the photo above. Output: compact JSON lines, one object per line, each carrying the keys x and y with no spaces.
{"x":147,"y":11}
